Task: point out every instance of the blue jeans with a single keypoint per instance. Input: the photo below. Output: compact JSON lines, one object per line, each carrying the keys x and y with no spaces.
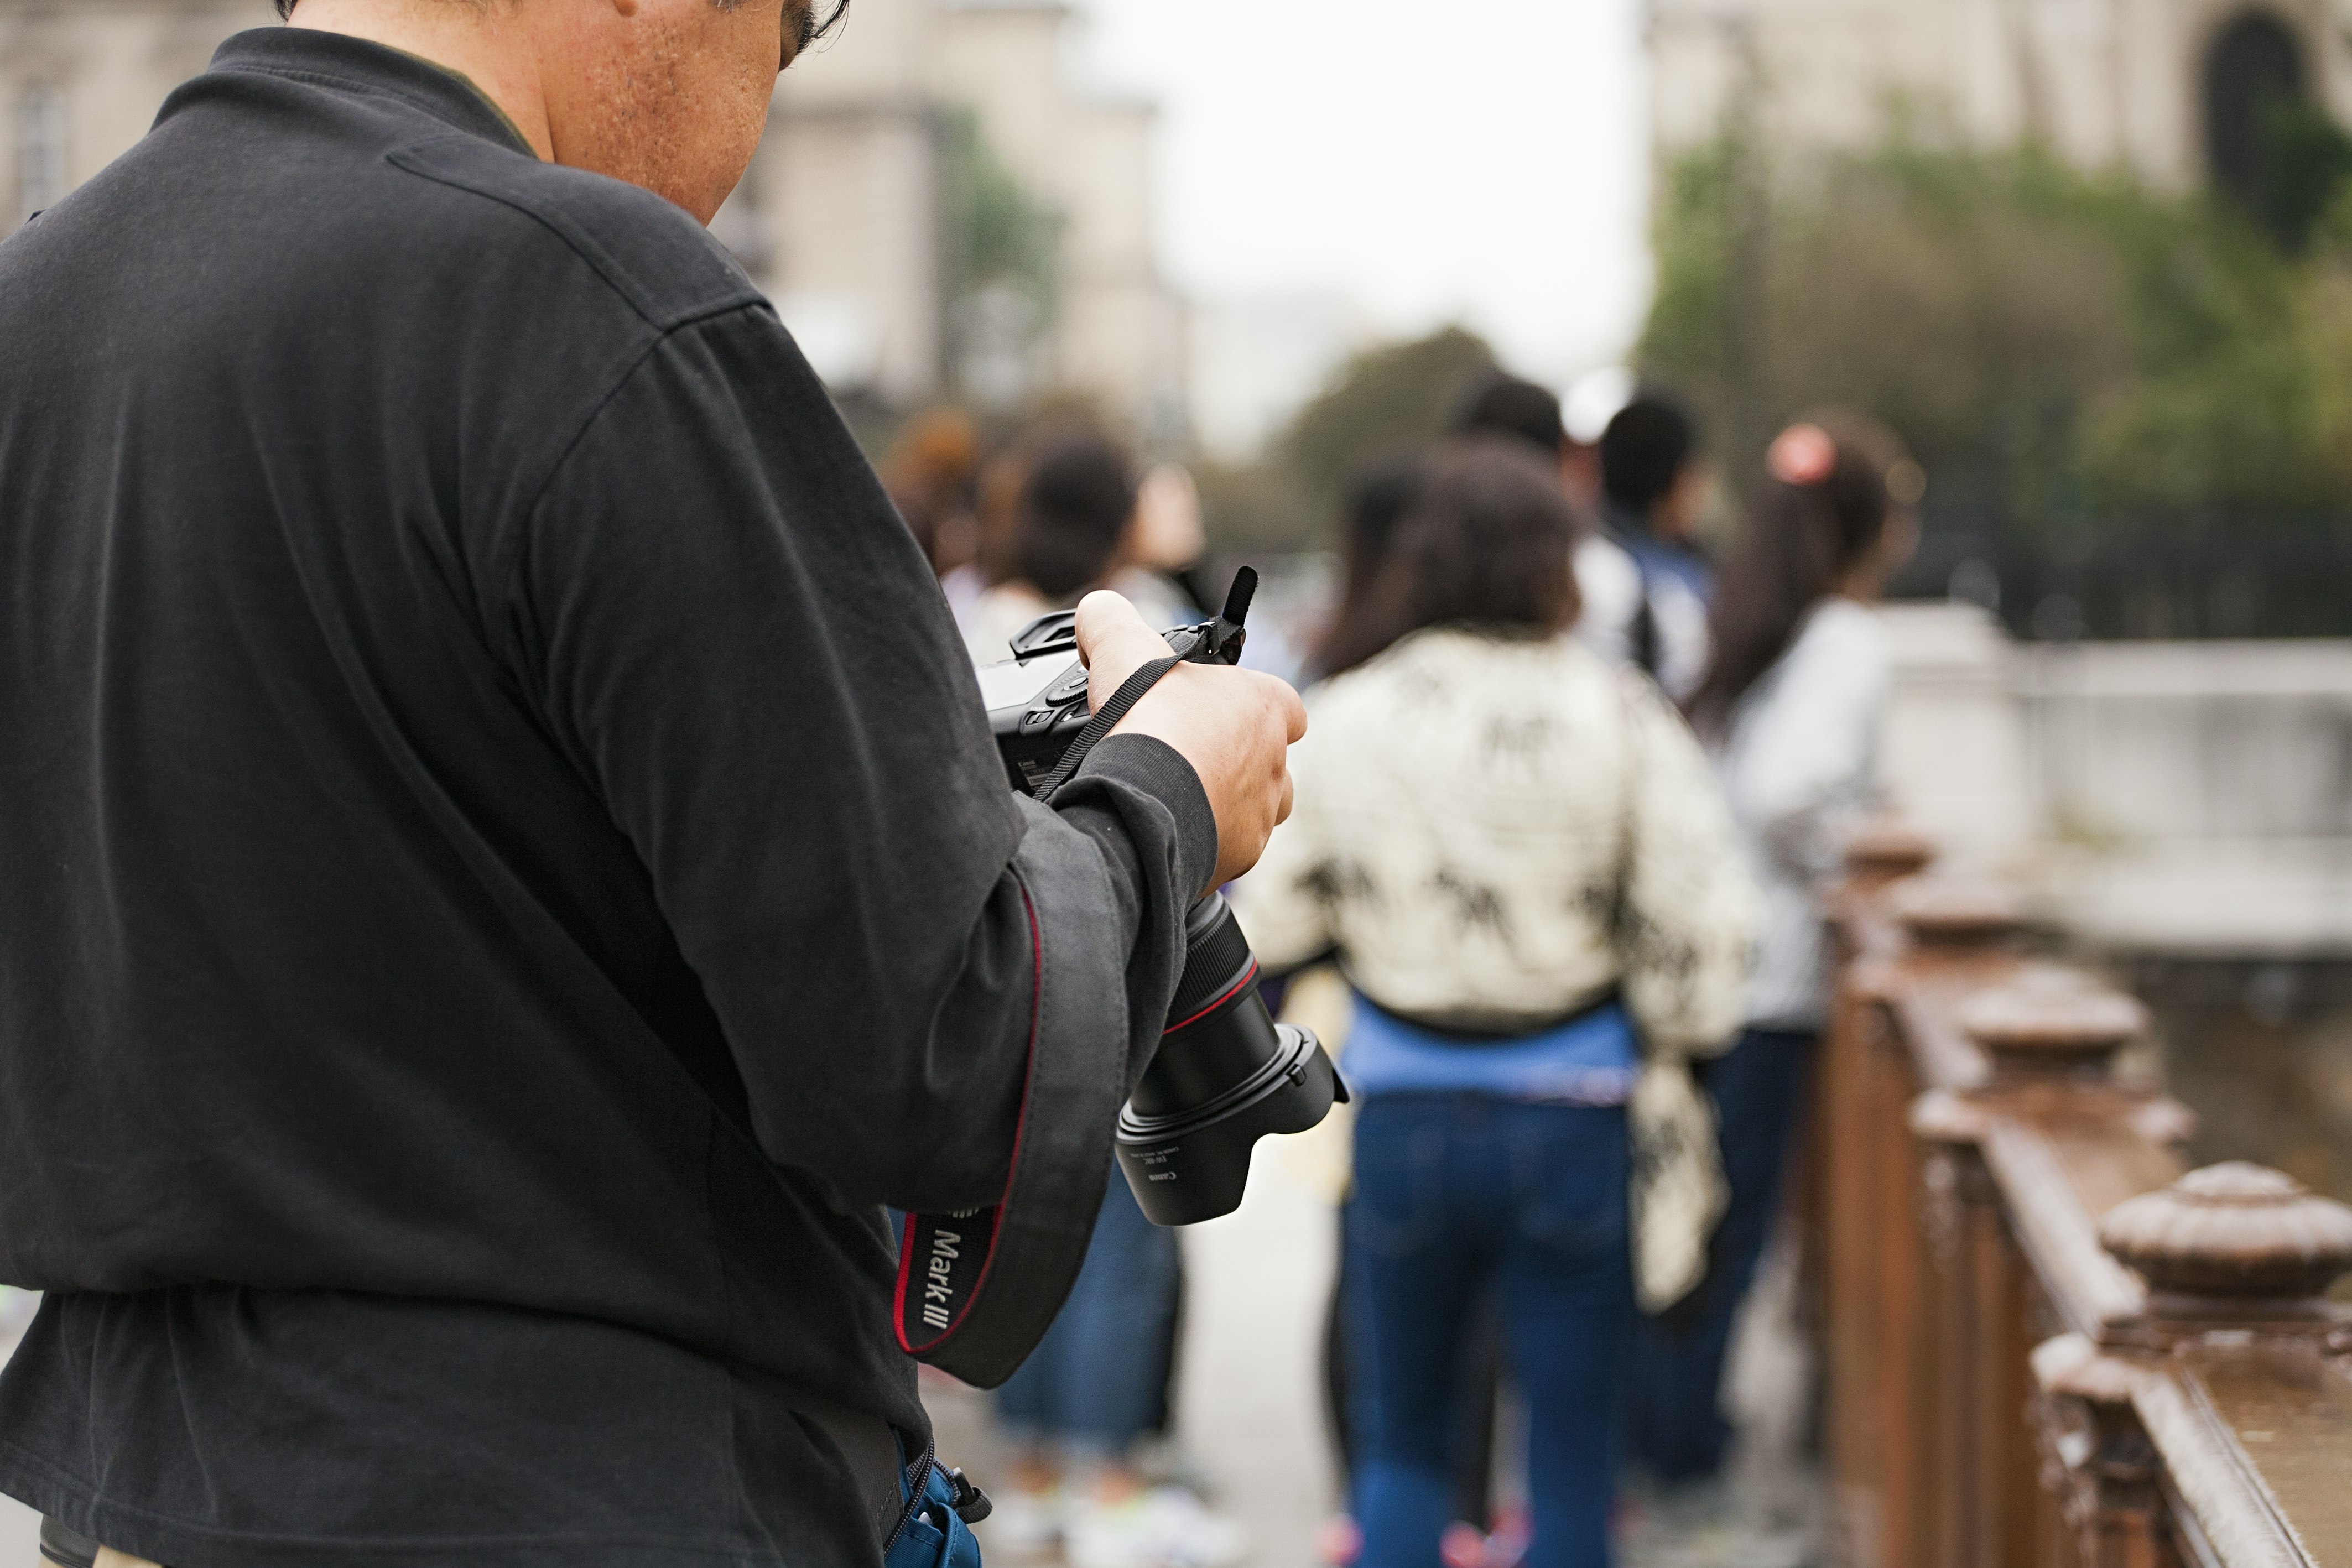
{"x":1677,"y":1428}
{"x":1460,"y":1197}
{"x":1096,"y":1380}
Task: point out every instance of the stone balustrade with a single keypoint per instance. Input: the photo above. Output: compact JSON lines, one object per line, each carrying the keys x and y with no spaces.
{"x":2046,"y":1342}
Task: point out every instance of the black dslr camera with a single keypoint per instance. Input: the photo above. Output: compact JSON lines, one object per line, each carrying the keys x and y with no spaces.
{"x":1225,"y":1074}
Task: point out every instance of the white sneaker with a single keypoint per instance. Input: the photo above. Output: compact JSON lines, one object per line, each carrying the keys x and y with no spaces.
{"x":1165,"y":1527}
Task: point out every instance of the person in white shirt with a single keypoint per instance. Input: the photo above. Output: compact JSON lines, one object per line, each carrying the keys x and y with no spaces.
{"x":1790,"y":710}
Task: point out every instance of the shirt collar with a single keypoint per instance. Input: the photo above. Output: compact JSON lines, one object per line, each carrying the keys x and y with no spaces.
{"x":312,"y":55}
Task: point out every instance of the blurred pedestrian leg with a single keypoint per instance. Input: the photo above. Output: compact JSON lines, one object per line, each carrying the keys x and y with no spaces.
{"x":1477,"y":1383}
{"x":1093,"y":1388}
{"x":1460,"y":1197}
{"x":1095,"y":1383}
{"x":1676,"y":1427}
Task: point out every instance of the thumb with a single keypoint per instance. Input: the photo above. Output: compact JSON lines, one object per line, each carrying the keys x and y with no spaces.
{"x":1114,"y":642}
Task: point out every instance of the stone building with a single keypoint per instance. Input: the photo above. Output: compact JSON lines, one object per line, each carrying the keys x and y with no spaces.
{"x":81,"y":80}
{"x":2171,"y":88}
{"x":841,"y":218}
{"x":843,"y":214}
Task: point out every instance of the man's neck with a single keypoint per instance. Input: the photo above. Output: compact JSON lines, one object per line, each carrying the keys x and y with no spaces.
{"x":492,"y":50}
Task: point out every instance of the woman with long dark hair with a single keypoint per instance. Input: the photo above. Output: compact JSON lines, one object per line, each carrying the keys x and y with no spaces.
{"x":1527,"y":875}
{"x":1790,"y":711}
{"x":1364,"y":622}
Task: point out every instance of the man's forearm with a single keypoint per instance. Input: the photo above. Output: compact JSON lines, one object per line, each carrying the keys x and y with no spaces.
{"x":1143,"y":807}
{"x":1093,"y":903}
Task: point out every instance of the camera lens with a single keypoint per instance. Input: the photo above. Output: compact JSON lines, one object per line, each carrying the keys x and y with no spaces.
{"x":1225,"y":1075}
{"x":1215,"y":1037}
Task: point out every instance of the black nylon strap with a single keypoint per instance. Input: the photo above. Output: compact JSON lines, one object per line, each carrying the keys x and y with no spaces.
{"x":1129,"y":693}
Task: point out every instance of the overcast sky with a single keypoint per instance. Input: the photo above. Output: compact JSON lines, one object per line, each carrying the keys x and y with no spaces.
{"x":1428,"y":160}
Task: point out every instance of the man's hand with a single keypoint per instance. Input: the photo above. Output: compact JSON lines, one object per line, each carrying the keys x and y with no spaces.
{"x":1234,"y":726}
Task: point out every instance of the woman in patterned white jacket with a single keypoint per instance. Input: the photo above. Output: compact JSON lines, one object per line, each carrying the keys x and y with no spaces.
{"x":1520,"y":860}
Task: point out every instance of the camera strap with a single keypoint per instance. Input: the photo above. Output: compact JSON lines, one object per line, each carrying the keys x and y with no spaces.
{"x":978,"y":1289}
{"x":1131,"y":691}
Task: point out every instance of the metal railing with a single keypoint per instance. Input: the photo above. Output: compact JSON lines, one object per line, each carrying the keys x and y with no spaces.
{"x":2045,"y":1342}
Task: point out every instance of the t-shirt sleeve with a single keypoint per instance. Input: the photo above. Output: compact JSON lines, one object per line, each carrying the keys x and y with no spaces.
{"x":723,"y":624}
{"x":1808,"y":754}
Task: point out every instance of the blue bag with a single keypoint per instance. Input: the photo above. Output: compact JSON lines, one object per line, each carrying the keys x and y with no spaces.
{"x":933,"y":1533}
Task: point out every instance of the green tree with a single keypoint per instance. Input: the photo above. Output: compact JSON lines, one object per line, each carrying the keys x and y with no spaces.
{"x":1002,"y":257}
{"x":996,"y":232}
{"x":1385,"y":397}
{"x":2060,"y":346}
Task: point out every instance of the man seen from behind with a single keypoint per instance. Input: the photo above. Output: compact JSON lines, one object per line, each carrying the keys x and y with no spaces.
{"x":503,"y":873}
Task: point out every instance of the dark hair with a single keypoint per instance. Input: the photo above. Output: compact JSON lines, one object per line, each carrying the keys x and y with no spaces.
{"x":1500,"y":403}
{"x":1804,"y":533}
{"x":932,"y":473}
{"x":1078,"y":498}
{"x":1483,"y":543}
{"x":1377,"y":496}
{"x":811,"y":28}
{"x":1646,"y":446}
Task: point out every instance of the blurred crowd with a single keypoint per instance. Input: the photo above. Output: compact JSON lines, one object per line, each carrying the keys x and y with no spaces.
{"x":1037,"y":522}
{"x":1587,"y":740}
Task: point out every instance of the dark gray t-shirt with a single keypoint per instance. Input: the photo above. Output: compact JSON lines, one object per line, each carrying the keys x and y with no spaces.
{"x":502,"y":871}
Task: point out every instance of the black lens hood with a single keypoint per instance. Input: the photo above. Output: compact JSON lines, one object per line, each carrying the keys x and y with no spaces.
{"x":1195,"y":1166}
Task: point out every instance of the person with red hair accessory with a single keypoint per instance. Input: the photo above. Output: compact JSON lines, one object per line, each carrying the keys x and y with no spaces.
{"x":1804,"y":454}
{"x":1790,"y":710}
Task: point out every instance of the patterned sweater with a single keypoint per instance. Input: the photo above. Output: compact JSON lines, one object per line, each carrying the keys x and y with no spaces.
{"x":1492,"y":831}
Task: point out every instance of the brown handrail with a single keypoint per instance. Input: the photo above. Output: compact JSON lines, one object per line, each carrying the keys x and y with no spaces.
{"x":2045,"y":1342}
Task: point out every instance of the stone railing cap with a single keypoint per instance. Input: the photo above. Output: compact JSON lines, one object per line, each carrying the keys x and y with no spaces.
{"x":1956,"y":908}
{"x":2052,"y":1015}
{"x":2235,"y":1231}
{"x":1887,"y":845}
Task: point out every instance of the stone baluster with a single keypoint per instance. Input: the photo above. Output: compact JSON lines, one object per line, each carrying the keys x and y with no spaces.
{"x":2096,"y":1461}
{"x":1887,"y":851}
{"x":2181,"y":1401}
{"x":2045,"y":1031}
{"x":1952,"y":916}
{"x":1956,"y":1201}
{"x":1881,"y":854}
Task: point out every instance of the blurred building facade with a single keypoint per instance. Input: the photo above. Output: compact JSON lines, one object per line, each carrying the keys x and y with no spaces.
{"x":2173,"y":90}
{"x":849,"y":217}
{"x":80,"y":80}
